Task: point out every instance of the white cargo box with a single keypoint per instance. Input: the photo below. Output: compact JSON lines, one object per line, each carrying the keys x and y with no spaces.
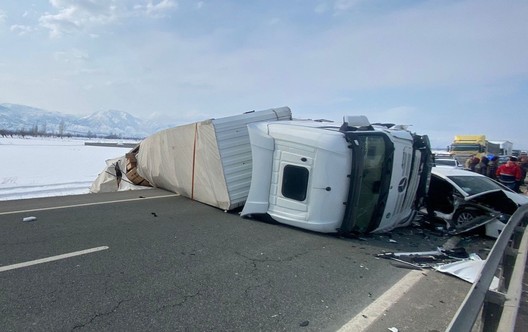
{"x":208,"y":161}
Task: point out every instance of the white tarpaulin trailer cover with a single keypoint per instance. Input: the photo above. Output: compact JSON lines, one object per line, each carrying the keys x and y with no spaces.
{"x":208,"y":161}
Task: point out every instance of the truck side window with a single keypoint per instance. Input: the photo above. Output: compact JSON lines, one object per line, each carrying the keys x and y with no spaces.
{"x":295,"y":182}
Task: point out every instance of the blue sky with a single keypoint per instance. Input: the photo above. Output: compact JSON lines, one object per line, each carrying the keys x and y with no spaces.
{"x":444,"y":67}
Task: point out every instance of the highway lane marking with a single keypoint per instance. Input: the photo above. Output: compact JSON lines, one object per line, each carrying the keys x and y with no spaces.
{"x":377,"y":308}
{"x":51,"y":259}
{"x":85,"y":204}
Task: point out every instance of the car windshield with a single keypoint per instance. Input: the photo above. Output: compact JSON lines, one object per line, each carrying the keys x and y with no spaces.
{"x":473,"y":185}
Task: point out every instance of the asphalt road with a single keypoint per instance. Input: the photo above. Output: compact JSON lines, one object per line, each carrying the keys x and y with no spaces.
{"x":166,"y":263}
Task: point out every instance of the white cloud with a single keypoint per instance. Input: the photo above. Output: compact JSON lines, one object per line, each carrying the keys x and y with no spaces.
{"x":430,"y":45}
{"x":161,"y":7}
{"x":344,"y":5}
{"x":79,"y":15}
{"x":73,"y":56}
{"x":3,"y":16}
{"x":157,"y":8}
{"x":21,"y":29}
{"x":338,"y":6}
{"x":433,"y":57}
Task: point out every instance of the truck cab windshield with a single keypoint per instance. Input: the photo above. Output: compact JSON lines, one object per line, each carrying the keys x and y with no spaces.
{"x":369,"y":181}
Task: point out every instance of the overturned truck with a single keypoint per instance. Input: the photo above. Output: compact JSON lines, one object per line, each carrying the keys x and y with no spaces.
{"x":352,"y":178}
{"x":316,"y":175}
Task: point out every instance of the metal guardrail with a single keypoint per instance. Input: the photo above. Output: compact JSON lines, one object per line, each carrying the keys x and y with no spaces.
{"x":507,"y":260}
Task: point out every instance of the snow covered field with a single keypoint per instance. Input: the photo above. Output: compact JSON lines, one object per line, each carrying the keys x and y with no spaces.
{"x":40,"y":167}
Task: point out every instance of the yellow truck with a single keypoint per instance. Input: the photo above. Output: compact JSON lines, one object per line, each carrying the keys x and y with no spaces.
{"x":465,"y":146}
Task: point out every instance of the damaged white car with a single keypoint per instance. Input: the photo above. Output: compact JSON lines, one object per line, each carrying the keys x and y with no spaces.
{"x":466,"y":200}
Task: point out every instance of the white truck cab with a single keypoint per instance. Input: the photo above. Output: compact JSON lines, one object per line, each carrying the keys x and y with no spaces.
{"x":349,"y":178}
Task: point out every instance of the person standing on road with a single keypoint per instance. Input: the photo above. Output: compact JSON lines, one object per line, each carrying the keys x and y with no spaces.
{"x":118,"y":173}
{"x":509,"y":174}
{"x":473,"y":163}
{"x":482,"y":166}
{"x":467,"y":163}
{"x":523,"y":163}
{"x":492,"y":167}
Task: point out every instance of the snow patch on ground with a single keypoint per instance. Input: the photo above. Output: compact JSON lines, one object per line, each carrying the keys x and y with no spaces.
{"x":42,"y":167}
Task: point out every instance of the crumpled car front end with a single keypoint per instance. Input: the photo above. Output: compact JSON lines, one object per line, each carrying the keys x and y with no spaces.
{"x":492,"y":209}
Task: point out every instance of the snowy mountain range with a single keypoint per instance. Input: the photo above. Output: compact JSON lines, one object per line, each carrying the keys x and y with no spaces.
{"x":14,"y":117}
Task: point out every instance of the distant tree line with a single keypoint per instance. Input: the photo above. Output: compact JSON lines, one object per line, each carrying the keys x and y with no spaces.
{"x":33,"y":132}
{"x":41,"y":131}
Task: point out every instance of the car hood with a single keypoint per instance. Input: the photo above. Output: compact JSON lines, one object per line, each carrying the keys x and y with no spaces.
{"x":517,"y":198}
{"x":498,"y":200}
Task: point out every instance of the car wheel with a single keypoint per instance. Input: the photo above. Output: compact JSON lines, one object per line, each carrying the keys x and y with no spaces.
{"x":463,"y":217}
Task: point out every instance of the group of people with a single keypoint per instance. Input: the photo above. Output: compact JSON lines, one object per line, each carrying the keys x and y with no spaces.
{"x":511,"y":174}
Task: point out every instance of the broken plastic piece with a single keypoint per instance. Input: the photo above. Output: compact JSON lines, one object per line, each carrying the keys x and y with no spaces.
{"x":29,"y":218}
{"x":425,"y":258}
{"x":467,"y":270}
{"x":400,"y":263}
{"x":494,"y":228}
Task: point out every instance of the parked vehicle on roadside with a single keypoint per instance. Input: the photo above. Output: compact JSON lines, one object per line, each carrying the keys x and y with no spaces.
{"x":466,"y":200}
{"x":503,"y":159}
{"x":466,"y":146}
{"x":448,"y":162}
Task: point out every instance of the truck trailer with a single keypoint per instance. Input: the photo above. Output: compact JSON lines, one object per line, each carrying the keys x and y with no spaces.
{"x":208,"y":161}
{"x":353,"y":177}
{"x":505,"y":147}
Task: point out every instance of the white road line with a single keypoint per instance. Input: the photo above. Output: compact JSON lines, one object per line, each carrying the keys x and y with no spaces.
{"x":85,"y":204}
{"x":51,"y":259}
{"x":376,"y":309}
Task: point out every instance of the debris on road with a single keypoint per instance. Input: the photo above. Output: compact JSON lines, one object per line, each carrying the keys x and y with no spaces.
{"x":467,"y":270}
{"x":29,"y":219}
{"x":451,"y":258}
{"x":427,"y":258}
{"x":403,"y":264}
